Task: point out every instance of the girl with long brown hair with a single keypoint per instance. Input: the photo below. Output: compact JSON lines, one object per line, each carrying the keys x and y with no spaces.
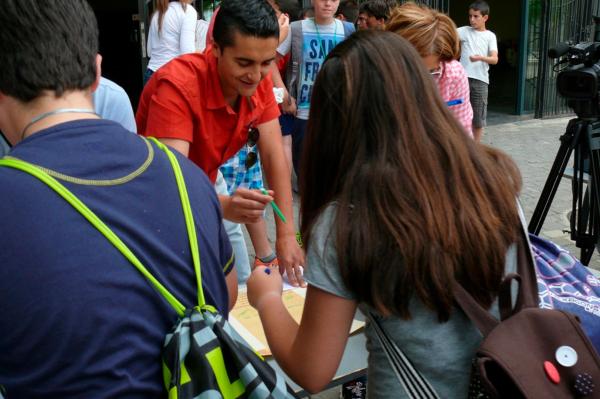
{"x":172,"y":33}
{"x":397,"y":204}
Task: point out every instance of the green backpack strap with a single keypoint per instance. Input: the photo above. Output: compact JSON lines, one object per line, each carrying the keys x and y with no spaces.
{"x":113,"y":238}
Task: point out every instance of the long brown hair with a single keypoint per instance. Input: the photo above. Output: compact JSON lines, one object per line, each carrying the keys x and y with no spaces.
{"x":419,"y":204}
{"x":430,"y":31}
{"x":161,"y":9}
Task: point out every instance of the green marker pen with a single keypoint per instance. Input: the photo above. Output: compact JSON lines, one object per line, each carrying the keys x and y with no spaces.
{"x":275,"y":207}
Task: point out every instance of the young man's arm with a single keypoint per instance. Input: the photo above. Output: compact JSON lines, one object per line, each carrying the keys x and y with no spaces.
{"x":169,"y":112}
{"x":289,"y":103}
{"x":243,"y":206}
{"x":492,"y":53}
{"x":491,"y":59}
{"x":284,"y":26}
{"x":277,"y":174}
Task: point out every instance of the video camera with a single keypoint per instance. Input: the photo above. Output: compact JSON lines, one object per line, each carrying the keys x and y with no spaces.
{"x":579,"y":81}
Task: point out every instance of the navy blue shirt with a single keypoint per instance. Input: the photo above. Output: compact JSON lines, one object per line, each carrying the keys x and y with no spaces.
{"x":77,"y":319}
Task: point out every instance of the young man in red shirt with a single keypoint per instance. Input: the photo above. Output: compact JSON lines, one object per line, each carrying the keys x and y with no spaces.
{"x":205,"y":105}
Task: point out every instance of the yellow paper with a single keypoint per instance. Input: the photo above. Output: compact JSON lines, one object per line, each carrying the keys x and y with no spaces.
{"x":244,"y":318}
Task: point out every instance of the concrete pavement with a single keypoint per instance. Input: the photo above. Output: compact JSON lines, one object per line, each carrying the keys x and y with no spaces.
{"x":533,"y":145}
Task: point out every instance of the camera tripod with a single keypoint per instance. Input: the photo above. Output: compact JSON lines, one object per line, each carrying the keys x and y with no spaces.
{"x":582,"y":137}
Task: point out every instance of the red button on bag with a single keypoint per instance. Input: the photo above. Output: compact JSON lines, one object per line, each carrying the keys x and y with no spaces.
{"x":551,"y":372}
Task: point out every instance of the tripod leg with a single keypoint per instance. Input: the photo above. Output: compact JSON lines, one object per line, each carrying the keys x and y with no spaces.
{"x":593,"y":133}
{"x":568,"y":142}
{"x":586,"y":219}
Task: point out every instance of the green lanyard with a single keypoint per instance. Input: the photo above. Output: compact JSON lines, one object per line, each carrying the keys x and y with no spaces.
{"x":114,"y":239}
{"x":319,"y":36}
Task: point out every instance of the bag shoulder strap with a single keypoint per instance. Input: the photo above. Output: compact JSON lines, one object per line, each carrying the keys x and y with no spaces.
{"x":91,"y":217}
{"x":415,"y":385}
{"x":527,"y":293}
{"x":293,"y":68}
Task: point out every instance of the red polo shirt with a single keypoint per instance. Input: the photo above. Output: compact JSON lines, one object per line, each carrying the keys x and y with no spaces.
{"x":183,"y":100}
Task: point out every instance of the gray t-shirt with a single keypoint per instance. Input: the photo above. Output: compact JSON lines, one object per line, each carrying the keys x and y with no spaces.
{"x":442,"y":352}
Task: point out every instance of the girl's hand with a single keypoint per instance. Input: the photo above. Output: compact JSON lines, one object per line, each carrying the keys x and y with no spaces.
{"x":264,"y":284}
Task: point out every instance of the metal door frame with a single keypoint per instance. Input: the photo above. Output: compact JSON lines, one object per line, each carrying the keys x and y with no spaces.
{"x":144,"y":26}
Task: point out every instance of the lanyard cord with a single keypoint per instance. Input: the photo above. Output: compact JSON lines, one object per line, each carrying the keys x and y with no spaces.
{"x":56,"y":112}
{"x":321,"y":44}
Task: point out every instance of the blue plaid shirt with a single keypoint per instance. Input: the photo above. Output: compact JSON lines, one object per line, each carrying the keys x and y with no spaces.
{"x":236,"y":175}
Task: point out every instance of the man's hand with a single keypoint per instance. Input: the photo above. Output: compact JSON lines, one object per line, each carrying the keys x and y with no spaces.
{"x":245,"y":206}
{"x":290,"y":257}
{"x":475,"y":58}
{"x":289,"y":104}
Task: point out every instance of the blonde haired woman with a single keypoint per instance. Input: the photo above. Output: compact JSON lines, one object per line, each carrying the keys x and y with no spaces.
{"x":172,"y":33}
{"x":435,"y":37}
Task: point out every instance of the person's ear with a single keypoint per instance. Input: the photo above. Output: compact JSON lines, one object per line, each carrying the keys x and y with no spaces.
{"x":6,"y":125}
{"x":485,"y":18}
{"x":98,"y":72}
{"x":216,"y":50}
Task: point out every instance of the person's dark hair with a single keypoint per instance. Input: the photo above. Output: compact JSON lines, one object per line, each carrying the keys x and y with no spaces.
{"x":248,"y":17}
{"x":46,"y":45}
{"x":419,"y":204}
{"x":307,"y":12}
{"x":349,"y":9}
{"x":376,"y":8}
{"x":291,"y":8}
{"x":481,"y":6}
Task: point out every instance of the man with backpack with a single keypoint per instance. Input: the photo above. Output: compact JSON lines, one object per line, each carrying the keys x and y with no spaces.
{"x":310,"y":41}
{"x":78,"y":320}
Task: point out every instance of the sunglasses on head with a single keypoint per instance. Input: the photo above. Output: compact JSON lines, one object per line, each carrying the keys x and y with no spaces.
{"x":252,"y":156}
